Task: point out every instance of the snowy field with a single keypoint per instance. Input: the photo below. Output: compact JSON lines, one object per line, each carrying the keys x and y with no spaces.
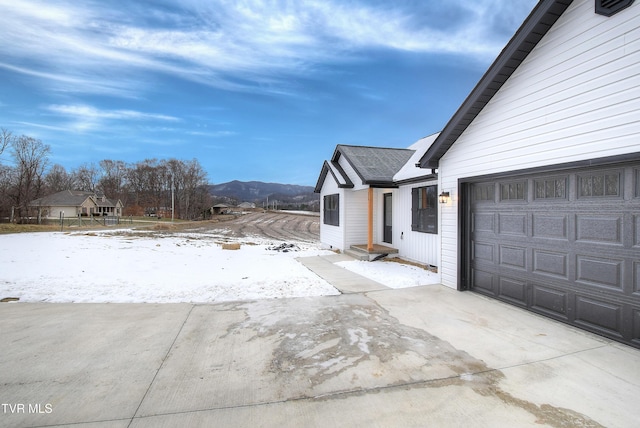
{"x":138,"y":266}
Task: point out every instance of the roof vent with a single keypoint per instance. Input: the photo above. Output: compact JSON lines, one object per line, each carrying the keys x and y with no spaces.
{"x":611,"y":7}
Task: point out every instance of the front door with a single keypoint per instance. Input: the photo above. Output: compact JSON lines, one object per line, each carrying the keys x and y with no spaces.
{"x":388,"y":219}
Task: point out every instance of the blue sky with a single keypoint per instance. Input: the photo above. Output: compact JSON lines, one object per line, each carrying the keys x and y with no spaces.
{"x":254,"y":89}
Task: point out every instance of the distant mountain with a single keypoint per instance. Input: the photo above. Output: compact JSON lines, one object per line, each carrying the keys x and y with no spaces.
{"x":258,"y":192}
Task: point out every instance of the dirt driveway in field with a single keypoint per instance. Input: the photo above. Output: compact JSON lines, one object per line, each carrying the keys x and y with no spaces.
{"x":280,"y":226}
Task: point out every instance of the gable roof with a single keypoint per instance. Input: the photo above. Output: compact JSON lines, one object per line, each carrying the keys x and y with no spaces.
{"x":411,"y":171}
{"x":338,"y":174}
{"x":539,"y":21}
{"x":375,"y":166}
{"x":71,"y":198}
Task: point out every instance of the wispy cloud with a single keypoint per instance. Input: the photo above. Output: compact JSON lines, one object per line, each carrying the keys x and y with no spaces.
{"x":233,"y":45}
{"x":85,"y":118}
{"x":90,"y":112}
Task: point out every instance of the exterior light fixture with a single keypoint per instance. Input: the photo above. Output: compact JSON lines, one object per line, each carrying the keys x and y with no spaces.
{"x":444,"y":197}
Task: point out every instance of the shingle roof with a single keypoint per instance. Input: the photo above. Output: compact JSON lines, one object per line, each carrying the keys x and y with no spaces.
{"x":539,"y":21}
{"x":64,"y":198}
{"x":374,"y":165}
{"x":72,"y":198}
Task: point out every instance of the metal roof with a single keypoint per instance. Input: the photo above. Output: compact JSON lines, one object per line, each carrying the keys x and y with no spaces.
{"x":539,"y":21}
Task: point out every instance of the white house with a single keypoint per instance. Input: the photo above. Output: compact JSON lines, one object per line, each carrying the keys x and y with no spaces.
{"x":542,"y":162}
{"x":374,"y":200}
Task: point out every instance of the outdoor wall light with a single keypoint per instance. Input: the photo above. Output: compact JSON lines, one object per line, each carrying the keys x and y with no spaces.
{"x":444,"y":197}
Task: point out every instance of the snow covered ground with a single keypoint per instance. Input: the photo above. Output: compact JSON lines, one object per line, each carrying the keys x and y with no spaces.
{"x":135,"y":266}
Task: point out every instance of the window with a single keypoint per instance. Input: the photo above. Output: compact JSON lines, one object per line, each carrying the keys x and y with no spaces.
{"x":596,"y":185}
{"x":551,"y":188}
{"x":424,"y":209}
{"x":484,"y":192}
{"x":512,"y":191}
{"x":332,"y":210}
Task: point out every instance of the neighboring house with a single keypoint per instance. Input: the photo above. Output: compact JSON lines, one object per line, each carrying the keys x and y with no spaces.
{"x":374,"y":200}
{"x":71,"y":203}
{"x":542,"y":166}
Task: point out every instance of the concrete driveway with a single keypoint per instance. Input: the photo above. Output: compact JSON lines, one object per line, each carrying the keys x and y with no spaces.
{"x":424,"y":356}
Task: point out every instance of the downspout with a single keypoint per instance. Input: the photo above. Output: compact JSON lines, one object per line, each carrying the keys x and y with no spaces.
{"x":370,"y":223}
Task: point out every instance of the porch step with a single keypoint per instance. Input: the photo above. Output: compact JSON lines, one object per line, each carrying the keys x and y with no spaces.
{"x":360,"y":252}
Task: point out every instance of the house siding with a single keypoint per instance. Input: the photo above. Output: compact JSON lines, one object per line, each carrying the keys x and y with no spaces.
{"x":574,"y":98}
{"x":413,"y":246}
{"x":356,"y":217}
{"x":332,"y":237}
{"x":54,"y":212}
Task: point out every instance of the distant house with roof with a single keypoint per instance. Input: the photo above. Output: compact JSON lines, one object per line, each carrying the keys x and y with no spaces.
{"x":71,"y":203}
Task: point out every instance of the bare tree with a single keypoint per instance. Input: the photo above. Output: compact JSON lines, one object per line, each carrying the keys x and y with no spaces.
{"x":58,"y":179}
{"x":6,"y":139}
{"x":31,"y":158}
{"x":112,"y":178}
{"x":86,"y":177}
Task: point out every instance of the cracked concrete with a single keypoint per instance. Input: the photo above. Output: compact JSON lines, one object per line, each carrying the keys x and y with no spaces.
{"x":426,"y":356}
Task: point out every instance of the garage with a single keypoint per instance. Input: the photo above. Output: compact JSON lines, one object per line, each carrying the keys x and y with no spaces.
{"x":563,"y":242}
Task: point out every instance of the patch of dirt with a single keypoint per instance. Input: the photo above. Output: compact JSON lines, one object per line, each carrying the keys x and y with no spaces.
{"x":270,"y":225}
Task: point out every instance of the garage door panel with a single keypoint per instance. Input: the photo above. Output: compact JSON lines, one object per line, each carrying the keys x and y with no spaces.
{"x":513,"y":257}
{"x":482,"y":251}
{"x":483,"y":222}
{"x":513,"y":224}
{"x":551,"y":263}
{"x":513,"y":290}
{"x":599,"y":315}
{"x":564,"y":244}
{"x":599,"y":272}
{"x":603,"y":229}
{"x":553,"y":302}
{"x":551,"y":226}
{"x":482,"y":281}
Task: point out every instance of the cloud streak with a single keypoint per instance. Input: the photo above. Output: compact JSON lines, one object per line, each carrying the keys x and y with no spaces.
{"x":245,"y":45}
{"x":84,"y":118}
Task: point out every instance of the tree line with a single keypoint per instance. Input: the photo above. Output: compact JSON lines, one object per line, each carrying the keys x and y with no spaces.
{"x":148,"y":187}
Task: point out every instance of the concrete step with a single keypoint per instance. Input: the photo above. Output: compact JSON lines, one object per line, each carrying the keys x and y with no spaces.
{"x":357,"y":254}
{"x":362,"y":254}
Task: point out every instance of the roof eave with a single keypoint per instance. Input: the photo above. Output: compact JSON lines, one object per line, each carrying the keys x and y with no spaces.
{"x":533,"y":29}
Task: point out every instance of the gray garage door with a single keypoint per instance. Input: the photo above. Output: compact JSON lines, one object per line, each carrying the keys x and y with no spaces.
{"x":565,"y":244}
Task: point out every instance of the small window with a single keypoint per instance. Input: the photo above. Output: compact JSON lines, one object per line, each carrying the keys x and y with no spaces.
{"x":552,"y":188}
{"x":484,"y":192}
{"x":424,"y":209}
{"x":512,"y":191}
{"x":332,"y":210}
{"x":599,"y":185}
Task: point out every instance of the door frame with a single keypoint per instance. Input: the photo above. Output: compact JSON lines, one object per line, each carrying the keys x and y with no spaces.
{"x":387,"y":199}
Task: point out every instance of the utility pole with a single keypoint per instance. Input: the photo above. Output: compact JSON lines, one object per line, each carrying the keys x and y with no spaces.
{"x":173,"y":204}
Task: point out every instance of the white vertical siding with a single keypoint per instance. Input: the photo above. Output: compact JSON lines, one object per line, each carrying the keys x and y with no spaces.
{"x":418,"y":247}
{"x":575,"y":97}
{"x":356,"y":217}
{"x":332,"y":236}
